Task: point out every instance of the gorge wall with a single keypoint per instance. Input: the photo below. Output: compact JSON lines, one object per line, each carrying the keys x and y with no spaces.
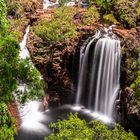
{"x":58,"y":61}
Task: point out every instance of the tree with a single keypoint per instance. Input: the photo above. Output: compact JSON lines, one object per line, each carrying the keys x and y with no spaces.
{"x":12,"y":72}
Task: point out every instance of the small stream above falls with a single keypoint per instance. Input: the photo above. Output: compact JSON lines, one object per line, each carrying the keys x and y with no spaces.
{"x":24,"y":53}
{"x":47,"y":4}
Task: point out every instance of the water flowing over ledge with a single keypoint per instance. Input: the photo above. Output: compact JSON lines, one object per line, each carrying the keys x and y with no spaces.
{"x":99,"y":73}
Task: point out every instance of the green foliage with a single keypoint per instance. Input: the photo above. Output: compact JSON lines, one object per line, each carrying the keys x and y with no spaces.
{"x":136,"y":87}
{"x":14,"y":8}
{"x":8,"y":56}
{"x":9,"y":61}
{"x":118,"y":133}
{"x":30,"y":76}
{"x":76,"y":129}
{"x":14,"y":71}
{"x":59,"y":29}
{"x":136,"y":84}
{"x":110,"y":19}
{"x":3,"y":20}
{"x":16,"y":27}
{"x":7,"y":124}
{"x":105,"y":5}
{"x":71,"y":129}
{"x":63,"y":2}
{"x":90,"y":16}
{"x":128,"y":12}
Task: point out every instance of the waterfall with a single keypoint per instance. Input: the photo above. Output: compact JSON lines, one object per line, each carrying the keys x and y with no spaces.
{"x":31,"y":112}
{"x":99,"y":73}
{"x":24,"y":53}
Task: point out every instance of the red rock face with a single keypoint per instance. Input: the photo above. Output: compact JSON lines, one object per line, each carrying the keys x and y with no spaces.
{"x":12,"y":107}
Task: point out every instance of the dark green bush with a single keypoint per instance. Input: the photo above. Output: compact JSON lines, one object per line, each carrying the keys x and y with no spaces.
{"x":7,"y":127}
{"x":105,"y":6}
{"x":8,"y":63}
{"x":3,"y":20}
{"x":14,"y":71}
{"x":7,"y":123}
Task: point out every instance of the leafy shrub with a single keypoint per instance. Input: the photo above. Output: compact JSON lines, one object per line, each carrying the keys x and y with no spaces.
{"x":7,"y":55}
{"x":14,"y":8}
{"x":136,"y":87}
{"x":30,"y":76}
{"x":90,"y":16}
{"x":110,"y":19}
{"x":3,"y":20}
{"x":59,"y":29}
{"x":12,"y":70}
{"x":105,"y":5}
{"x":9,"y":61}
{"x":16,"y":26}
{"x":128,"y":12}
{"x":7,"y":124}
{"x":76,"y":129}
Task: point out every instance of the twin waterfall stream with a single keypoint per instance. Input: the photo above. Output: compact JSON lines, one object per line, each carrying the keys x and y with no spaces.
{"x":98,"y":85}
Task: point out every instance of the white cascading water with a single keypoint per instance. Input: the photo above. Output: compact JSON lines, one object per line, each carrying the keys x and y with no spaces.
{"x":31,"y":113}
{"x":48,"y":3}
{"x":99,"y":74}
{"x":24,"y":53}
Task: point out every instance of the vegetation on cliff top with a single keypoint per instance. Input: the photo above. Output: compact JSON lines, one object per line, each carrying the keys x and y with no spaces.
{"x":125,"y":11}
{"x":61,"y":28}
{"x":128,"y":12}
